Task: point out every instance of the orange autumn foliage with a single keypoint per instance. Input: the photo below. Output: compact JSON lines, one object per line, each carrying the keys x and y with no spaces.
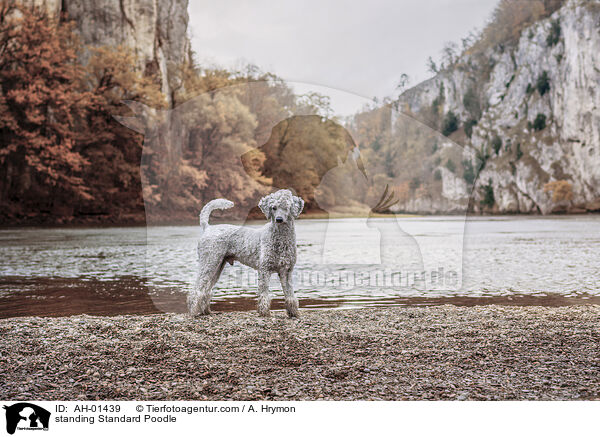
{"x":63,"y":156}
{"x":561,"y":190}
{"x":40,"y":106}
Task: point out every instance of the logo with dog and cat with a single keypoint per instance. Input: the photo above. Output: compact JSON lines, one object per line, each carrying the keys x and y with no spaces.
{"x":25,"y":416}
{"x":361,"y":181}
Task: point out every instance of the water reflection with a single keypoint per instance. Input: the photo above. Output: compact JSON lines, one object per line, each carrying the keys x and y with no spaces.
{"x":56,"y":297}
{"x":104,"y":271}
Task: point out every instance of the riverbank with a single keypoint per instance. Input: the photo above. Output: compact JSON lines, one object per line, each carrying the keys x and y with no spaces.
{"x":139,"y":219}
{"x":395,"y":353}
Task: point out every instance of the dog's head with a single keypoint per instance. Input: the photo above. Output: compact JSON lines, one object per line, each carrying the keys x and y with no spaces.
{"x":281,"y":206}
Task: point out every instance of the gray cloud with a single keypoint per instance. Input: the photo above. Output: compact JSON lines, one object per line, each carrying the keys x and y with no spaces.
{"x":358,"y":47}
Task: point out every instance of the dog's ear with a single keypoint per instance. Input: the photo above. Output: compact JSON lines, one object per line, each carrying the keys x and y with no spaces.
{"x":298,"y":206}
{"x":265,"y":206}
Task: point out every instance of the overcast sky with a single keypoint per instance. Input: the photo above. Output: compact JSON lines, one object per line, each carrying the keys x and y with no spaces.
{"x":349,"y":50}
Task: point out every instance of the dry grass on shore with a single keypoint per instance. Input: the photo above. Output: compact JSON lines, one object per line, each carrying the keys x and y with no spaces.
{"x":443,"y":352}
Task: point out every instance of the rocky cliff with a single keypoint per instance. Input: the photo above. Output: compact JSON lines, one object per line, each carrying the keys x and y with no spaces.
{"x":155,"y":30}
{"x":528,"y":116}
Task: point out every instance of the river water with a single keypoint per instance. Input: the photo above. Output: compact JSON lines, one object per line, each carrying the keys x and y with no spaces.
{"x":341,"y":263}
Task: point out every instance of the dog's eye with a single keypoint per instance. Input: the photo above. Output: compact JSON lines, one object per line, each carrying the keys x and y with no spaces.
{"x":274,"y":208}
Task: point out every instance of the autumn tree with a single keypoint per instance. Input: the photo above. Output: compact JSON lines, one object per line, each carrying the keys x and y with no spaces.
{"x":221,"y":131}
{"x":271,"y":100}
{"x":41,"y":107}
{"x":313,"y":103}
{"x":113,"y":151}
{"x":227,"y":115}
{"x":562,"y":191}
{"x":510,"y":17}
{"x":301,"y":150}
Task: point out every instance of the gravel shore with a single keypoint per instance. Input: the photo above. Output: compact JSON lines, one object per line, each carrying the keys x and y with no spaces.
{"x":394,"y":353}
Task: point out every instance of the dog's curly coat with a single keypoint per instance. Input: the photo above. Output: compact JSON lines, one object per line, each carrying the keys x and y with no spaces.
{"x":270,"y":249}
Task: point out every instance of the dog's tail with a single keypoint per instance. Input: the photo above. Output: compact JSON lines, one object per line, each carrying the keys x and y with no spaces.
{"x":210,"y":206}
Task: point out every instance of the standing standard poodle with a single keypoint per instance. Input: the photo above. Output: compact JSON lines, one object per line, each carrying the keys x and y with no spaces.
{"x":270,"y":249}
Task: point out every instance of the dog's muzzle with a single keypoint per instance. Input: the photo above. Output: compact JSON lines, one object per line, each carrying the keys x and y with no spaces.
{"x":279,"y":220}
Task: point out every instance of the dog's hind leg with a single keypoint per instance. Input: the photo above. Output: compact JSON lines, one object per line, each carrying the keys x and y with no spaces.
{"x":199,"y":298}
{"x":264,"y":298}
{"x":291,"y":301}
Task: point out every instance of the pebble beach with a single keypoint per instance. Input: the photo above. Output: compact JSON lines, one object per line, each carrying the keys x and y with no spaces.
{"x":442,"y":352}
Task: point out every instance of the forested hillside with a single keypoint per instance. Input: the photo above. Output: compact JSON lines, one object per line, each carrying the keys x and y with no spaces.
{"x":66,"y":159}
{"x":105,"y":119}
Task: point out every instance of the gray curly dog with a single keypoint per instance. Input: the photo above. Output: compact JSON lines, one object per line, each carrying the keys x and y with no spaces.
{"x":269,"y":249}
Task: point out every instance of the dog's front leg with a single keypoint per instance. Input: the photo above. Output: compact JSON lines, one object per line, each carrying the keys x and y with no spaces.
{"x":291,"y":301}
{"x":264,"y":298}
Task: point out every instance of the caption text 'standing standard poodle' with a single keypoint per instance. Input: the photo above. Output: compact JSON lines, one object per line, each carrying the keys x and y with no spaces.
{"x":270,"y":249}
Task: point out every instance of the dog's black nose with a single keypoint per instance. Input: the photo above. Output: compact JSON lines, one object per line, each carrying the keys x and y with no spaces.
{"x":279,"y":220}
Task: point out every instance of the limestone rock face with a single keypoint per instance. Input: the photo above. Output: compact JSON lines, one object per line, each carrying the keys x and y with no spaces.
{"x":565,"y":147}
{"x":156,"y":30}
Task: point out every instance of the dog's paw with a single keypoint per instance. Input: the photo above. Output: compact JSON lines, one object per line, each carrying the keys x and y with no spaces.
{"x":293,"y":314}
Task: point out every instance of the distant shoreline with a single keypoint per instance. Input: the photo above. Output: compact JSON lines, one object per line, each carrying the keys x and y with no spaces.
{"x":304,"y":216}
